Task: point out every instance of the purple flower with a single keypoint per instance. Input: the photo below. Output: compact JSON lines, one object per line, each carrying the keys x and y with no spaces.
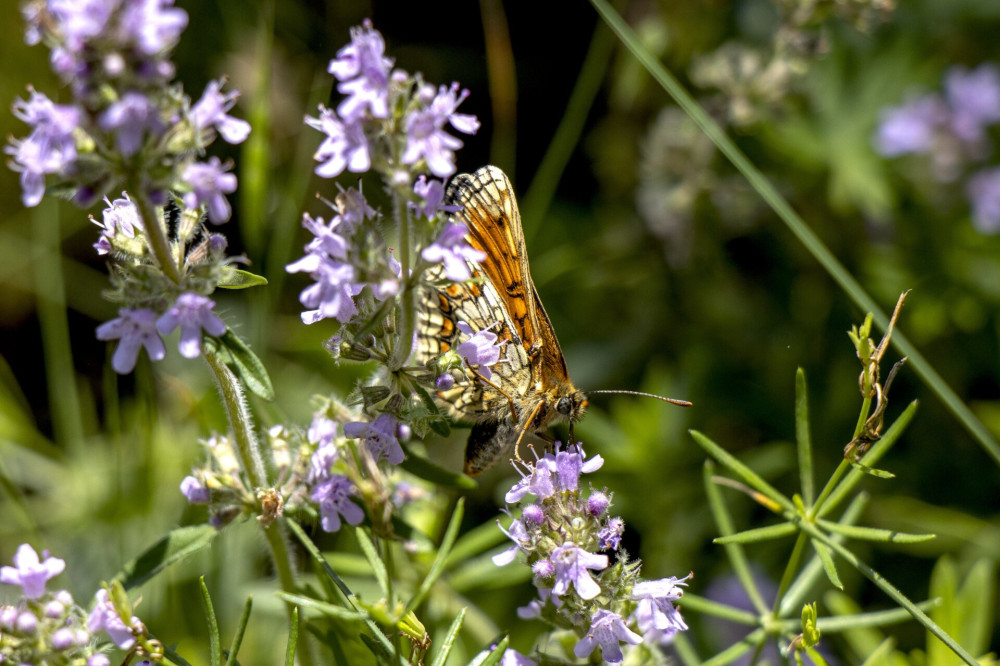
{"x":379,"y":436}
{"x":80,"y":20}
{"x":210,"y":111}
{"x":363,"y":71}
{"x":105,"y":616}
{"x":50,"y":148}
{"x":425,"y":135}
{"x":326,"y":242}
{"x":99,"y":659}
{"x":538,"y":481}
{"x":911,"y":127}
{"x":481,"y":350}
{"x":597,"y":503}
{"x":133,"y":329}
{"x":444,"y":382}
{"x":333,"y":293}
{"x":326,"y":453}
{"x":333,"y":496}
{"x":193,"y":313}
{"x":131,"y":117}
{"x":209,"y":184}
{"x":432,"y":193}
{"x":655,"y":614}
{"x":533,"y":514}
{"x":609,"y":537}
{"x":120,"y":215}
{"x":452,"y":248}
{"x":543,"y":568}
{"x":519,"y":535}
{"x":569,"y":465}
{"x":983,"y":191}
{"x":512,"y":657}
{"x":974,"y":97}
{"x":352,"y":209}
{"x":345,"y":145}
{"x":571,"y":565}
{"x":195,"y":491}
{"x":153,"y":25}
{"x":31,"y":573}
{"x":607,"y":629}
{"x":534,"y":607}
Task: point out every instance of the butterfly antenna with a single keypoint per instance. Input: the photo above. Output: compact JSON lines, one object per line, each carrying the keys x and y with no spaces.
{"x":672,"y":401}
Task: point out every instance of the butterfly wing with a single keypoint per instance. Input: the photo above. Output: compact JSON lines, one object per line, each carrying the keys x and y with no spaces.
{"x":490,"y":212}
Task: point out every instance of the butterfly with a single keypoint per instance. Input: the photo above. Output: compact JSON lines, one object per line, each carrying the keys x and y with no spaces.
{"x":530,"y":386}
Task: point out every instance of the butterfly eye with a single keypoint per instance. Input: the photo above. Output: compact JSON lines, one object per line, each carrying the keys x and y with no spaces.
{"x":564,"y":406}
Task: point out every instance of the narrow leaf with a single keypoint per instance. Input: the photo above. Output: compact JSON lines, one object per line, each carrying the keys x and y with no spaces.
{"x":880,"y":654}
{"x":875,"y":534}
{"x":293,"y":638}
{"x":245,"y":365}
{"x":827,"y":559}
{"x":449,"y":640}
{"x":437,"y":566}
{"x":214,"y":643}
{"x":719,"y":610}
{"x":758,"y":534}
{"x":172,"y":548}
{"x":234,"y":647}
{"x":234,"y":278}
{"x":381,"y":651}
{"x":741,"y":470}
{"x":322,"y":607}
{"x":423,"y":468}
{"x":491,"y":656}
{"x":377,"y":565}
{"x":802,"y":438}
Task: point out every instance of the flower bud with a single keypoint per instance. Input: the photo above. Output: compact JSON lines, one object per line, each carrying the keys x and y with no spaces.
{"x":543,"y":568}
{"x":63,"y":639}
{"x":597,"y":503}
{"x":26,"y":623}
{"x":444,"y":382}
{"x":54,"y":610}
{"x":533,"y":514}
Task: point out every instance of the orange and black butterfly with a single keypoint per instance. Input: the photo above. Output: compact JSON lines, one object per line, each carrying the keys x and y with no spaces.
{"x":530,"y":387}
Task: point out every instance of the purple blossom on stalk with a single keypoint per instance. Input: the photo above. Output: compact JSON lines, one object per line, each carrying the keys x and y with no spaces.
{"x":327,"y":241}
{"x":333,"y":293}
{"x":444,"y":382}
{"x":481,"y":350}
{"x":31,"y":573}
{"x":345,"y":145}
{"x":210,"y":111}
{"x":195,"y":491}
{"x":193,"y":313}
{"x":655,"y":614}
{"x":99,"y":659}
{"x":538,"y":481}
{"x":607,"y":630}
{"x":512,"y":657}
{"x":81,"y":20}
{"x":121,"y":215}
{"x":363,"y":72}
{"x":105,"y":617}
{"x":570,"y":463}
{"x":353,"y":209}
{"x":153,"y":25}
{"x":379,"y":436}
{"x":432,"y":193}
{"x":597,"y":503}
{"x":572,"y":564}
{"x":983,"y":191}
{"x":50,"y":148}
{"x":974,"y":97}
{"x":519,"y":535}
{"x":133,"y":329}
{"x":333,"y":496}
{"x":131,"y":117}
{"x":425,"y":135}
{"x":910,"y":127}
{"x":456,"y":253}
{"x":610,"y":536}
{"x":209,"y":184}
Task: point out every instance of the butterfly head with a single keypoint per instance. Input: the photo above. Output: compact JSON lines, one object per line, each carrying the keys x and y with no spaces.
{"x":572,"y":405}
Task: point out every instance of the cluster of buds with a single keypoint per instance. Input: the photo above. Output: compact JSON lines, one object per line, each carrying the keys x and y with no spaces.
{"x":564,"y":537}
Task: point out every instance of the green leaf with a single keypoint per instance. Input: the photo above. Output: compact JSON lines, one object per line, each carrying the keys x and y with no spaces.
{"x":234,"y":647}
{"x":759,"y":534}
{"x":245,"y":365}
{"x":234,"y":278}
{"x":437,"y":566}
{"x":802,"y":438}
{"x":778,"y":501}
{"x":720,"y":610}
{"x":423,"y":468}
{"x":449,"y":640}
{"x":323,"y":607}
{"x":827,"y":559}
{"x":376,"y":563}
{"x":174,"y":547}
{"x":293,"y":638}
{"x":491,"y":656}
{"x":874,"y":534}
{"x":214,"y":642}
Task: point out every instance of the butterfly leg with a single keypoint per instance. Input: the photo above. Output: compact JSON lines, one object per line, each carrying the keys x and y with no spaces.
{"x":510,"y":400}
{"x":524,"y":430}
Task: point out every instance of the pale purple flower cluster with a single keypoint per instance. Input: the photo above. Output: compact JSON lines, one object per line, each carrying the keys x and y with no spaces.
{"x":137,"y":328}
{"x":952,"y":129}
{"x":379,"y":437}
{"x":331,"y":492}
{"x":454,"y":251}
{"x":559,"y":533}
{"x":48,"y":627}
{"x":49,"y":149}
{"x":481,"y":350}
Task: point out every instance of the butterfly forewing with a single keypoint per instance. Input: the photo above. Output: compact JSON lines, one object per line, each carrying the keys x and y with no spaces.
{"x":531,"y":373}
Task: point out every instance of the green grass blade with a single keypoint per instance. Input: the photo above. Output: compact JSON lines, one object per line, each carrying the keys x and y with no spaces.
{"x":449,"y":640}
{"x":234,"y":647}
{"x":214,"y":643}
{"x":803,"y":440}
{"x":798,"y":227}
{"x":437,"y":566}
{"x":874,"y":533}
{"x":748,"y":475}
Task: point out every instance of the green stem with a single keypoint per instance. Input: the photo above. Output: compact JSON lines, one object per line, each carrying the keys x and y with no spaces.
{"x":790,"y":569}
{"x":844,"y":465}
{"x":155,"y":233}
{"x":407,"y":310}
{"x":798,"y":227}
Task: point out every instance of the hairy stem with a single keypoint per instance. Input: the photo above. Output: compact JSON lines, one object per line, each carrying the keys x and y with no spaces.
{"x":407,"y":323}
{"x":156,"y":234}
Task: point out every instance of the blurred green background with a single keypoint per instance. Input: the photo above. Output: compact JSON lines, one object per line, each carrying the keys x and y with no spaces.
{"x":660,"y":269}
